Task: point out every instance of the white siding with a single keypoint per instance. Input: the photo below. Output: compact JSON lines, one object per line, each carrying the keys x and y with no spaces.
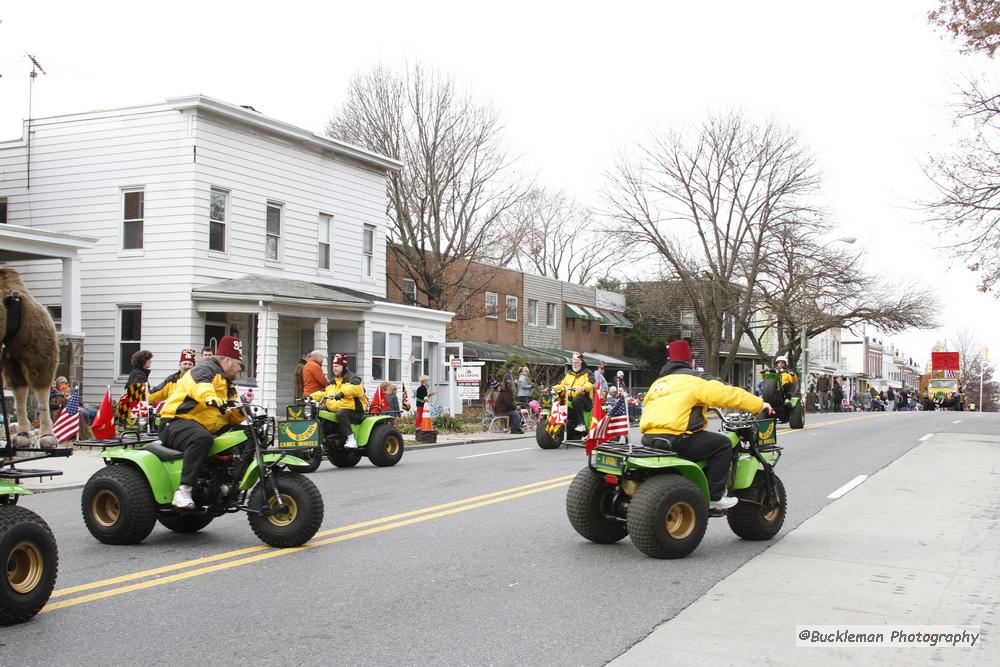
{"x":610,"y":300}
{"x":579,"y":294}
{"x":544,"y":290}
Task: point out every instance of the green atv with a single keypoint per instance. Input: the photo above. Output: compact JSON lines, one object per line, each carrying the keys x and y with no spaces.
{"x":788,"y":406}
{"x":27,"y":547}
{"x":548,"y":440}
{"x":243,"y":473}
{"x":661,"y":500}
{"x":376,"y":435}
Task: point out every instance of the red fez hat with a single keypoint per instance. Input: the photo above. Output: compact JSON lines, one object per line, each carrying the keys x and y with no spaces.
{"x":679,"y":350}
{"x":231,"y":347}
{"x":187,"y":354}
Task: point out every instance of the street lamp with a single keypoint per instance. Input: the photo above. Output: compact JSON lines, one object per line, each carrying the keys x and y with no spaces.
{"x":805,"y":340}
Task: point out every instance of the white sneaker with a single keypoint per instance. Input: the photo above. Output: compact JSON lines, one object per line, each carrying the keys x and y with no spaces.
{"x":580,"y":428}
{"x":351,"y":442}
{"x":182,"y":498}
{"x":723,"y":503}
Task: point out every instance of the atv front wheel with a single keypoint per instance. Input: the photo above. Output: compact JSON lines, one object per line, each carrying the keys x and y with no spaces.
{"x":667,"y":516}
{"x":797,"y":416}
{"x":545,"y":439}
{"x":303,"y":518}
{"x":185,"y":523}
{"x":118,"y":505}
{"x":385,"y":446}
{"x":588,"y":505}
{"x":760,"y":521}
{"x":31,"y":562}
{"x":342,"y":458}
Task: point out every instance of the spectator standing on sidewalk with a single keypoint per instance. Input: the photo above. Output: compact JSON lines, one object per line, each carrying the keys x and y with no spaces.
{"x":600,"y":382}
{"x":524,"y":386}
{"x":313,"y":377}
{"x":823,"y":388}
{"x":890,"y":400}
{"x":838,"y":395}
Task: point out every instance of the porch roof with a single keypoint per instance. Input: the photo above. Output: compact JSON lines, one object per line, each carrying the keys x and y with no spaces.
{"x":257,"y":288}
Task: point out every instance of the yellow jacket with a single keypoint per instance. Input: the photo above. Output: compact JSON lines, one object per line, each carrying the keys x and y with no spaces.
{"x":187,"y":399}
{"x":354,"y":393}
{"x":575,"y":384}
{"x":678,"y":403}
{"x":162,"y":391}
{"x":788,"y":377}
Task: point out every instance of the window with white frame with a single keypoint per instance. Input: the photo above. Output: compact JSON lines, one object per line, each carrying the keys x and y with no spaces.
{"x":368,"y":252}
{"x":387,"y":353}
{"x":395,"y":353}
{"x":323,"y":241}
{"x":533,"y":312}
{"x":218,"y":208}
{"x":465,"y":301}
{"x":550,"y":315}
{"x":417,"y":353}
{"x":378,"y":356}
{"x":129,"y":336}
{"x":409,"y":291}
{"x":272,"y":247}
{"x":511,"y":308}
{"x":491,"y":304}
{"x":687,"y":324}
{"x":133,"y":214}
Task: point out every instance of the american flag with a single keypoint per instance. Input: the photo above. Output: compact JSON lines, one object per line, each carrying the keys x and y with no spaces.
{"x":618,"y":419}
{"x":68,"y":424}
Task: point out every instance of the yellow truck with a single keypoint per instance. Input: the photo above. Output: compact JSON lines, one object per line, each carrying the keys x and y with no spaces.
{"x":940,"y":393}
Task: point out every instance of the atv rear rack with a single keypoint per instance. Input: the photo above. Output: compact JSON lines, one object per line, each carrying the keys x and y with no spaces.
{"x":126,"y":439}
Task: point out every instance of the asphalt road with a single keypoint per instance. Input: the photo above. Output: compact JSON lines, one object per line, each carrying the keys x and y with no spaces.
{"x":458,"y":555}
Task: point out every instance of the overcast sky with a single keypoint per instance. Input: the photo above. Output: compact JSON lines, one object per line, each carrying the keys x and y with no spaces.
{"x":867,"y":84}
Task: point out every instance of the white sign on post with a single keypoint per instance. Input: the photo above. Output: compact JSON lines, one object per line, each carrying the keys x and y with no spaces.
{"x":468,"y":375}
{"x":456,"y":362}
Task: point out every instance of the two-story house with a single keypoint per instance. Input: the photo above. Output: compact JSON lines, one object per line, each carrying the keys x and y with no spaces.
{"x":212,"y":219}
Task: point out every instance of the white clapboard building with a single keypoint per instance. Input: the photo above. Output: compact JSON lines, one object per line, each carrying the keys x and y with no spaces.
{"x":212,"y":219}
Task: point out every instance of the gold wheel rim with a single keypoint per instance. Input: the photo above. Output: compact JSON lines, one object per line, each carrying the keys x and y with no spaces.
{"x":392,"y":445}
{"x":773,"y":514}
{"x":283,"y":520}
{"x":105,"y":508}
{"x":681,"y":519}
{"x":25,"y":567}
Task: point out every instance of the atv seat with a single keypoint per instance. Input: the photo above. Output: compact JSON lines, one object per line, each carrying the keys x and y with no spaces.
{"x":163,"y":452}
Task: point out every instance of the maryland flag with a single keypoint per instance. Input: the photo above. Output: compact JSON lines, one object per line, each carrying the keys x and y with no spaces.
{"x":406,"y":400}
{"x":557,"y":418}
{"x":132,"y":399}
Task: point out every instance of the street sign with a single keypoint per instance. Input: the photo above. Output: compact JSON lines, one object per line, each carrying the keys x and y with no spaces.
{"x":456,"y":362}
{"x":468,"y":375}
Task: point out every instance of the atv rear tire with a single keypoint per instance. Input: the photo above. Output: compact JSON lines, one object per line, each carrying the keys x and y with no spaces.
{"x":31,"y":562}
{"x":771,"y":393}
{"x":301,"y":522}
{"x":753,"y":522}
{"x":342,"y":458}
{"x":118,"y":505}
{"x":667,"y":517}
{"x":185,"y":523}
{"x":544,"y":439}
{"x":588,"y":503}
{"x":311,"y":456}
{"x":797,"y":416}
{"x":385,"y":446}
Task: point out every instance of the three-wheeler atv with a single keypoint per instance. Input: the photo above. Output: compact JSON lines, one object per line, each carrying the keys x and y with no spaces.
{"x":376,"y":435}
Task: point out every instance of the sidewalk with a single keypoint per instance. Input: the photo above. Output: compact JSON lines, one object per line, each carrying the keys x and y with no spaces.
{"x":85,"y":461}
{"x":915,"y":544}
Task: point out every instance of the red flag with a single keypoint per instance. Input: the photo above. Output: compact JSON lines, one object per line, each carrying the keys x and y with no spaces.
{"x":598,"y":426}
{"x":379,"y":401}
{"x":104,"y":425}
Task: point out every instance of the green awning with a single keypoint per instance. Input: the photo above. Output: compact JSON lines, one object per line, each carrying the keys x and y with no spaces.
{"x":607,"y":320}
{"x":625,"y":324}
{"x":576,"y":312}
{"x":476,"y":351}
{"x":593,"y":313}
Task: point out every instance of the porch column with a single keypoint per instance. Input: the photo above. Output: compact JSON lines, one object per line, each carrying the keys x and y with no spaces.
{"x":71,"y":297}
{"x":320,"y":333}
{"x":267,"y":357}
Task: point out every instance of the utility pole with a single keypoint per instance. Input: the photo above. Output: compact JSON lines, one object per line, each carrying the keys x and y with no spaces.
{"x":35,"y":69}
{"x":982,"y":372}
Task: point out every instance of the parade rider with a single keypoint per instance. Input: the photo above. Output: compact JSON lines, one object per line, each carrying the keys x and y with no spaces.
{"x":162,"y":391}
{"x":578,"y":387}
{"x":195,"y":412}
{"x":345,"y":396}
{"x":786,"y":375}
{"x":675,"y":409}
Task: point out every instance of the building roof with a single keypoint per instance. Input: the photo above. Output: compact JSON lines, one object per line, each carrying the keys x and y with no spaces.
{"x":252,"y":288}
{"x":25,"y":243}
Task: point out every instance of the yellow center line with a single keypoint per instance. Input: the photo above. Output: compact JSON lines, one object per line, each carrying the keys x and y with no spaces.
{"x":275,"y":553}
{"x":323,"y":533}
{"x":832,"y":422}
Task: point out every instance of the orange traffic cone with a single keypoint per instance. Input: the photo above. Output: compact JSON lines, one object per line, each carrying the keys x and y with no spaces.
{"x":426,"y":434}
{"x":425,"y":421}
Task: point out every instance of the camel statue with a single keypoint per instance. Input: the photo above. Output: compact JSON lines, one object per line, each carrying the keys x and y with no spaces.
{"x":30,"y":358}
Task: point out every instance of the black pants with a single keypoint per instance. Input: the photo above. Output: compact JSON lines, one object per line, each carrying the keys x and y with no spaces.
{"x":574,"y":413}
{"x":344,"y":420}
{"x":700,"y":446}
{"x":190,"y":437}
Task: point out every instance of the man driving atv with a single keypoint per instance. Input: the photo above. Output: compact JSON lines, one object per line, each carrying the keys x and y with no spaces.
{"x":195,"y":412}
{"x":675,"y":409}
{"x":786,"y":374}
{"x":578,"y":388}
{"x":345,"y":395}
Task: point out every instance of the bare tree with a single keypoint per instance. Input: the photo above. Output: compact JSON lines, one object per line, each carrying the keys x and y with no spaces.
{"x":976,"y":22}
{"x":705,"y":202}
{"x":451,"y":205}
{"x":562,"y":239}
{"x":816,"y":286}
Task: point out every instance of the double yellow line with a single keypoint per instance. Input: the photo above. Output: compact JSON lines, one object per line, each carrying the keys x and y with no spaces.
{"x":197,"y":567}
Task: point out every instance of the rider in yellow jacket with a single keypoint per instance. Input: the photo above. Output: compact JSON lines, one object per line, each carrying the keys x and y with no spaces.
{"x":577,"y":388}
{"x":196,"y":411}
{"x":787,"y":375}
{"x":345,"y":396}
{"x":675,"y":409}
{"x":161,"y":392}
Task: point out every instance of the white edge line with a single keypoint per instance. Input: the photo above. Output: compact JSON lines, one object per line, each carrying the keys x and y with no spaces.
{"x":925,"y":437}
{"x":506,"y":451}
{"x":847,"y":487}
{"x":956,"y":421}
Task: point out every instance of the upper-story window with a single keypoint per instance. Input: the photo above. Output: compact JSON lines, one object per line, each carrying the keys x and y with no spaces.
{"x":511,"y":308}
{"x":550,"y":315}
{"x":491,"y":304}
{"x":687,"y":324}
{"x":533,"y":312}
{"x":368,"y":252}
{"x":129,"y":336}
{"x":323,"y":245}
{"x":3,"y":210}
{"x":409,"y":291}
{"x":272,"y":247}
{"x":134,"y":208}
{"x":218,"y":208}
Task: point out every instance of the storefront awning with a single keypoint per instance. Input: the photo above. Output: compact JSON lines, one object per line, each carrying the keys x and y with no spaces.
{"x":576,"y":312}
{"x":622,"y":321}
{"x":476,"y":351}
{"x":593,"y":313}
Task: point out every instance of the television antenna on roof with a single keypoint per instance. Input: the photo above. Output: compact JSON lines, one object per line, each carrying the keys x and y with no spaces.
{"x":36,"y":67}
